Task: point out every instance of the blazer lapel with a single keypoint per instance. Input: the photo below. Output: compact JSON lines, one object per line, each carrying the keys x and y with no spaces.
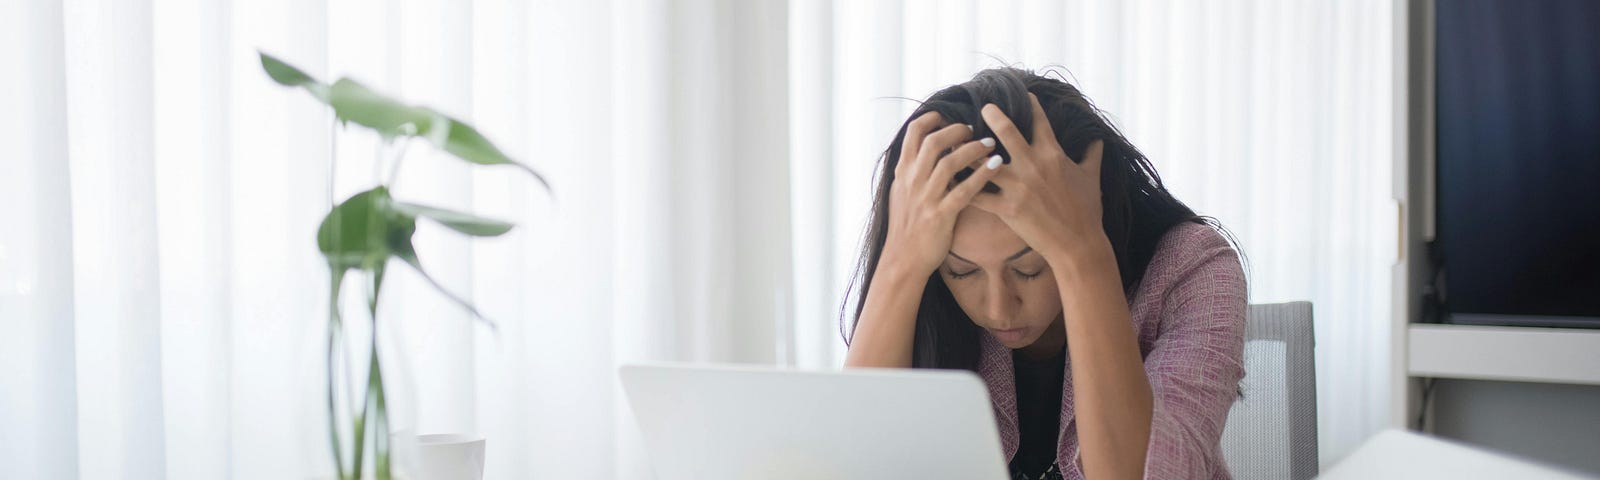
{"x":994,"y":366}
{"x":996,"y":369}
{"x":1066,"y":440}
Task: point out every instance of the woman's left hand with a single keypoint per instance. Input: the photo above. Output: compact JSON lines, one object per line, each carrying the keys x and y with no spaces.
{"x":1050,"y":201}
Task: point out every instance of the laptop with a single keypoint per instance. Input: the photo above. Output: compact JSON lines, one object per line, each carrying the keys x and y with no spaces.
{"x":744,"y":422}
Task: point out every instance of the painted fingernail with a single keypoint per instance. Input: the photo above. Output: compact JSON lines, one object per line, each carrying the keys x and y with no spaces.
{"x":987,"y":141}
{"x":994,"y":162}
{"x":971,"y":128}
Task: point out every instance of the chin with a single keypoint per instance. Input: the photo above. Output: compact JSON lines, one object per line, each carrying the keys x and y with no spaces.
{"x":1031,"y":336}
{"x":1015,"y":345}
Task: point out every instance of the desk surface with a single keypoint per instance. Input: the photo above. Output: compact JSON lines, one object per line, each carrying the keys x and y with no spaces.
{"x":1399,"y":454}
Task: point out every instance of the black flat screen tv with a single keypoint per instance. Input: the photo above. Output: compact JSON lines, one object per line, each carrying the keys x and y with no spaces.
{"x":1517,"y":87}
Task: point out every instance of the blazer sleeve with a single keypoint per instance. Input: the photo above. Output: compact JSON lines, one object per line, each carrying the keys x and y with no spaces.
{"x":1196,"y":362}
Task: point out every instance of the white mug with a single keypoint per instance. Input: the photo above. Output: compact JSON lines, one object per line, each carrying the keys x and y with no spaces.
{"x":449,"y":456}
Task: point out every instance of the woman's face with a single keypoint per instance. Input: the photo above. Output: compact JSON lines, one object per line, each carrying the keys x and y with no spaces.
{"x":1005,"y":286}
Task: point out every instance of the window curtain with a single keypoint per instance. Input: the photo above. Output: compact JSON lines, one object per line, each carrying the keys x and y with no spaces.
{"x":163,"y":301}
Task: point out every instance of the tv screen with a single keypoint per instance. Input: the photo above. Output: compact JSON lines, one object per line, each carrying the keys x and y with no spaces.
{"x":1518,"y":160}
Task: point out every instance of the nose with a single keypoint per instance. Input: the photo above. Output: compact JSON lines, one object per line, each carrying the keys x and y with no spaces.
{"x":1002,"y":301}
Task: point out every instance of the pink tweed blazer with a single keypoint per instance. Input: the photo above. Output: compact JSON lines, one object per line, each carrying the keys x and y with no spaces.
{"x":1189,"y":313}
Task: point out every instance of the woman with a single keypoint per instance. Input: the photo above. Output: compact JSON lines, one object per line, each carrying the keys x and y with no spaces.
{"x":1016,"y":233}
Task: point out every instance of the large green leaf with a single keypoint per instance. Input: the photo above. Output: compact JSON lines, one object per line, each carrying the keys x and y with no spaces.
{"x":466,"y":143}
{"x":363,"y":231}
{"x":288,"y":76}
{"x":369,"y":228}
{"x":354,"y":102}
{"x":461,"y":222}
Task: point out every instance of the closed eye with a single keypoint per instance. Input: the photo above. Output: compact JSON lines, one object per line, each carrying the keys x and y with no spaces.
{"x":1024,"y":275}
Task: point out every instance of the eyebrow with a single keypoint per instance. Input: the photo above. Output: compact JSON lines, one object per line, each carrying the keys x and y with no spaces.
{"x":1013,"y":256}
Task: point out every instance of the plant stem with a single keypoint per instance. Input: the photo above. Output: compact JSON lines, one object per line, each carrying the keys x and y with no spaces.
{"x":374,"y":380}
{"x":399,"y":155}
{"x":380,"y":441}
{"x":377,"y":161}
{"x":335,"y":280}
{"x":379,"y":424}
{"x":333,"y":164}
{"x":360,"y":447}
{"x":334,"y":327}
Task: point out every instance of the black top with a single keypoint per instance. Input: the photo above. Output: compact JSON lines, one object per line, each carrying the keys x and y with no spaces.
{"x":1038,"y":413}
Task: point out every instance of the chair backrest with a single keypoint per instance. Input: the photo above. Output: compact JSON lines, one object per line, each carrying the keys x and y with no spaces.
{"x":1272,"y":430}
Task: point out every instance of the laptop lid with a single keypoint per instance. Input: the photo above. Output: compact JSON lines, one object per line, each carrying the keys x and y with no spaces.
{"x":743,"y":422}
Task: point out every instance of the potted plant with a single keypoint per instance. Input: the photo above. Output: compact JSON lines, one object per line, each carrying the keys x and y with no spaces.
{"x":363,"y":233}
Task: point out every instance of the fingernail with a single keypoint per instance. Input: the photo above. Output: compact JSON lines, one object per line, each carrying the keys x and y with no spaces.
{"x":987,"y":141}
{"x":971,"y":128}
{"x":994,"y":162}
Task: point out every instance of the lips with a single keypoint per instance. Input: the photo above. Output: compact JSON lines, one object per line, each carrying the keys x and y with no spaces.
{"x":1011,"y":335}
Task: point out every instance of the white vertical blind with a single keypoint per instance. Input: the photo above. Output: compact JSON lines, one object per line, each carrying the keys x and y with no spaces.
{"x":163,"y":300}
{"x":114,"y":252}
{"x":193,"y":201}
{"x":38,"y":365}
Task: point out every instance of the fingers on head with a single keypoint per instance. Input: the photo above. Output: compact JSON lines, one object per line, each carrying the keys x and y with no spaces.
{"x":922,"y":125}
{"x":969,"y":188}
{"x":911,"y":143}
{"x":970,"y":154}
{"x":1092,"y":156}
{"x":1003,"y":128}
{"x":1042,"y":132}
{"x":988,"y":203}
{"x":949,"y":137}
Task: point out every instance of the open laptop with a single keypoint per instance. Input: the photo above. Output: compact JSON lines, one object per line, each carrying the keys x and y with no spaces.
{"x":746,"y":422}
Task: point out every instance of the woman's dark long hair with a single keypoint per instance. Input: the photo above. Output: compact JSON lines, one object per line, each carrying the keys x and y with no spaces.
{"x":1138,"y":209}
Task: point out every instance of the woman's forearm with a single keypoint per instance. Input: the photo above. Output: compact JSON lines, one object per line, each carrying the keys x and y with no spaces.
{"x":1109,"y":386}
{"x":883,"y":333}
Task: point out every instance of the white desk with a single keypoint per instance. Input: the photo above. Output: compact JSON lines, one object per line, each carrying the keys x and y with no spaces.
{"x":1399,"y":454}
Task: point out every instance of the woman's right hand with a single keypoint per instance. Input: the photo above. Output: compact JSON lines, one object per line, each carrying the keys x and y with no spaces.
{"x":922,"y":203}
